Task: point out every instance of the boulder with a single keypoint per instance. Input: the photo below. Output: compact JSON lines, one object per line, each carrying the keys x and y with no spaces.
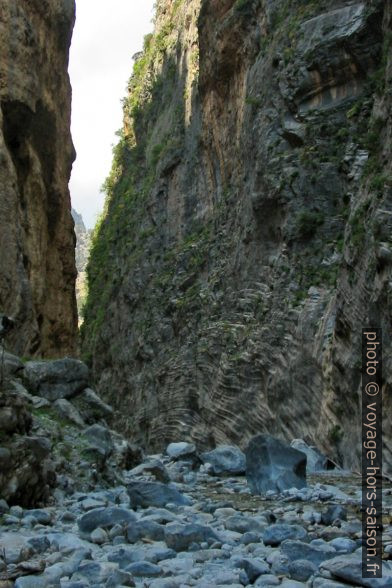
{"x":274,"y":535}
{"x":302,"y":569}
{"x":99,"y":439}
{"x":334,"y":512}
{"x":68,"y":412}
{"x":99,"y":536}
{"x":31,"y":582}
{"x":145,"y":529}
{"x":61,"y":378}
{"x":179,"y":537}
{"x":153,"y":467}
{"x":316,"y":461}
{"x":43,"y":517}
{"x":348,"y":568}
{"x":298,"y":550}
{"x":181,"y":450}
{"x":119,"y":578}
{"x":39,"y":543}
{"x":39,"y":446}
{"x":144,"y":569}
{"x":124,"y":556}
{"x":12,"y":364}
{"x":104,"y":518}
{"x":4,"y":508}
{"x":242,"y":524}
{"x":225,"y":459}
{"x":344,"y":544}
{"x":91,"y":407}
{"x":253,"y":568}
{"x":267,"y":580}
{"x":15,"y":546}
{"x":147,"y":494}
{"x":94,"y":573}
{"x":272,"y":464}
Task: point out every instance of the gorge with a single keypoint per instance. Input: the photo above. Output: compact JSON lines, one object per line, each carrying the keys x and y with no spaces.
{"x":205,"y":427}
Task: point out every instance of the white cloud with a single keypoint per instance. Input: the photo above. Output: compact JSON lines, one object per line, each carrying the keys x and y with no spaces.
{"x":106,"y":36}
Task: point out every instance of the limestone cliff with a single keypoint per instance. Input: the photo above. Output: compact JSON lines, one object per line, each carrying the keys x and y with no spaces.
{"x":83,"y":237}
{"x":247,"y":232}
{"x":37,"y":266}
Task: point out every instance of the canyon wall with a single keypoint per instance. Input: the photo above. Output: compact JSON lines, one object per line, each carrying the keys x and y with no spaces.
{"x":37,"y":261}
{"x":246,"y":238}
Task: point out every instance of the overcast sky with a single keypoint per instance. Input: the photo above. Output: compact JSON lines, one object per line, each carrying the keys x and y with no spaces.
{"x":106,"y":36}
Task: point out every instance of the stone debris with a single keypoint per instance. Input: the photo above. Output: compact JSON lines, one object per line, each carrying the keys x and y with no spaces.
{"x":80,"y":506}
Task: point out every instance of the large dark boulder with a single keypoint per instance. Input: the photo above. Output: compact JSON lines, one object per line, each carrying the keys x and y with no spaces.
{"x":62,"y":378}
{"x":271,"y":464}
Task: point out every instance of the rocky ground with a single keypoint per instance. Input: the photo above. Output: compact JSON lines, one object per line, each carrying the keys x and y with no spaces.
{"x":82,"y":507}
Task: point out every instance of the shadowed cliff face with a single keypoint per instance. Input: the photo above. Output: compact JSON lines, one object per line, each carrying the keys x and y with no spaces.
{"x":36,"y":229}
{"x":247,"y":238}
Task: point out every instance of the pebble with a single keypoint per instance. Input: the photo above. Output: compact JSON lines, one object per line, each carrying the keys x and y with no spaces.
{"x":99,"y":536}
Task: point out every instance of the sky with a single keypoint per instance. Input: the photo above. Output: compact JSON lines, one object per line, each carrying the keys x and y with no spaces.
{"x":106,"y":36}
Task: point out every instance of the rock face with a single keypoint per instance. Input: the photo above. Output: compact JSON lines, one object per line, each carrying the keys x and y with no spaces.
{"x":83,"y":238}
{"x":247,"y":232}
{"x":37,"y":240}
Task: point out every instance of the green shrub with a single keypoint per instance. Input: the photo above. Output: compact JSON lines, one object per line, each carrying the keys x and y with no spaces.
{"x":252,"y":101}
{"x":335,"y":434}
{"x":245,"y":6}
{"x":357,"y":224}
{"x":307,"y":223}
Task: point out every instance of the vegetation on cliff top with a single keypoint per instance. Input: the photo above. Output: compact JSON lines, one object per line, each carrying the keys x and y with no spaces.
{"x":122,"y":229}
